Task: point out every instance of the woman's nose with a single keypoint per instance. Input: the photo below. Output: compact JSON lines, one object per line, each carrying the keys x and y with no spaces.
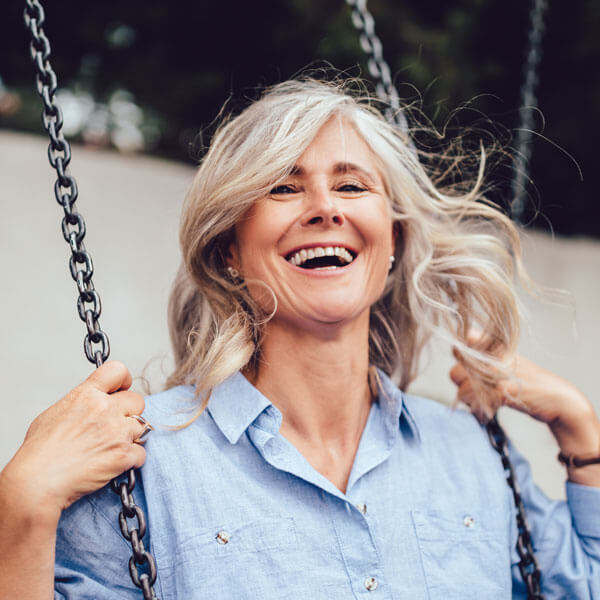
{"x":322,"y":209}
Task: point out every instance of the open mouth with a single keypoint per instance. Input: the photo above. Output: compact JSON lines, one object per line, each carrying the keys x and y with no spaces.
{"x":321,"y":257}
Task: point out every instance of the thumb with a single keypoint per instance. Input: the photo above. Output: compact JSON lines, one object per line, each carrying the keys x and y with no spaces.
{"x":110,"y":377}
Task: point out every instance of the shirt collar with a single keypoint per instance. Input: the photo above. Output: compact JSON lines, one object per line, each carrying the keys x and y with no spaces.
{"x":394,"y":408}
{"x":235,"y":404}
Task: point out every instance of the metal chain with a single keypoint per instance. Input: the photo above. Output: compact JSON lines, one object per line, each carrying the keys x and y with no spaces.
{"x":140,"y":556}
{"x":95,"y":343}
{"x":528,"y":565}
{"x":378,"y":67}
{"x":529,"y":104}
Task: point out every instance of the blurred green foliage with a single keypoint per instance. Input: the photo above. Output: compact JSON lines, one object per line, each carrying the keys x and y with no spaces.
{"x":182,"y":60}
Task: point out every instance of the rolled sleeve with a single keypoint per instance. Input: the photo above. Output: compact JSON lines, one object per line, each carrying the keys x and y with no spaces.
{"x":584,"y":502}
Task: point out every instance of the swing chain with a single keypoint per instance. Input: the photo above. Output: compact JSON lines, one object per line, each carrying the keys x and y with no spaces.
{"x":529,"y":104}
{"x":378,"y":68}
{"x":96,"y":344}
{"x":528,"y":565}
{"x":140,"y":556}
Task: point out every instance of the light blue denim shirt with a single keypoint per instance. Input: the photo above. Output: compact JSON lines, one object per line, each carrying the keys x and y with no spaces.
{"x":235,"y":512}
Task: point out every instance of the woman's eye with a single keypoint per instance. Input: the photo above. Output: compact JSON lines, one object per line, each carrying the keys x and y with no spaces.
{"x":283,"y":189}
{"x":351,"y":187}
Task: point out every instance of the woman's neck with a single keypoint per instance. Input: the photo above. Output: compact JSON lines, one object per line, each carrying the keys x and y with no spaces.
{"x":319,"y":382}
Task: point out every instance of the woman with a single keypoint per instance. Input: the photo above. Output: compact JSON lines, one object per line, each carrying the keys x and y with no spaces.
{"x":318,"y":258}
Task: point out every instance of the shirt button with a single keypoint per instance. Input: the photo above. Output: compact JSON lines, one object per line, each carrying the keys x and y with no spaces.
{"x":469,"y":521}
{"x":223,"y":537}
{"x":362,"y":507}
{"x":371,"y":583}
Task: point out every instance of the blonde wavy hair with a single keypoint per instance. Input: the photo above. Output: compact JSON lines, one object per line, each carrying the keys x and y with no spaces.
{"x":457,"y":255}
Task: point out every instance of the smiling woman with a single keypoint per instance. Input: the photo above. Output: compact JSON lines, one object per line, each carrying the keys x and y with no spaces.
{"x":310,"y":166}
{"x":318,"y":259}
{"x":327,"y":203}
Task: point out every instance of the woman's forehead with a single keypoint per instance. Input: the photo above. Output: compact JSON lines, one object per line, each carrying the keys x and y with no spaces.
{"x":338,"y":147}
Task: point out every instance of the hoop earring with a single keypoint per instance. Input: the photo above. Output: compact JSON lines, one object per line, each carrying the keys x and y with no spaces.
{"x":392,"y":261}
{"x":233,"y":272}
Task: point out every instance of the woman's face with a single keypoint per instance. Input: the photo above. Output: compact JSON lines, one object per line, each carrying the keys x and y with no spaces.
{"x":322,"y":238}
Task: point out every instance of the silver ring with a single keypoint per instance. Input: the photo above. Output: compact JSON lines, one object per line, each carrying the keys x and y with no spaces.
{"x":141,"y":438}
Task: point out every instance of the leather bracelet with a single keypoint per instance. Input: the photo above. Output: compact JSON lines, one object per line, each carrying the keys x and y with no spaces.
{"x":577,"y":461}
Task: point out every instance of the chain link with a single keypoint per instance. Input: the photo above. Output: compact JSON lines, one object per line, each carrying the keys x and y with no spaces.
{"x":95,"y":343}
{"x":528,"y":565}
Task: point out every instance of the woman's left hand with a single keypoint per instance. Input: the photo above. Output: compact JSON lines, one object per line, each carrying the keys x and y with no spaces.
{"x":550,"y":399}
{"x":534,"y":390}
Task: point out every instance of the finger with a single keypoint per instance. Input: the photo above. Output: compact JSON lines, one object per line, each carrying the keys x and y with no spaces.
{"x":474,"y":340}
{"x":134,"y":458}
{"x":510,"y":392}
{"x":474,"y":337}
{"x":138,"y":456}
{"x":458,"y":373}
{"x":465,"y":392}
{"x":110,"y":377}
{"x":130,"y":403}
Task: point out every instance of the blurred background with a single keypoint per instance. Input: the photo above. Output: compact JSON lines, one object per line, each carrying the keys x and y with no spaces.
{"x":142,"y":76}
{"x":141,"y":85}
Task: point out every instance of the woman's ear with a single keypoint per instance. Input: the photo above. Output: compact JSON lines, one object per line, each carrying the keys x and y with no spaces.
{"x":396,"y":235}
{"x":228,"y":249}
{"x":232,"y":255}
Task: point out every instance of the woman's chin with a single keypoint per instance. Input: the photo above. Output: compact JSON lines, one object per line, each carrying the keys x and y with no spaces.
{"x":328,"y":315}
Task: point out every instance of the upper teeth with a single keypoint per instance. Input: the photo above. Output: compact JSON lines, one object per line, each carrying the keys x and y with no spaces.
{"x":300,"y":257}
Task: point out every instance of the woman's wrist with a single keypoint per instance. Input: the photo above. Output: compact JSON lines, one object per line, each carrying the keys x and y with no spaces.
{"x":576,"y":427}
{"x":577,"y":432}
{"x":23,"y":497}
{"x":27,"y":539}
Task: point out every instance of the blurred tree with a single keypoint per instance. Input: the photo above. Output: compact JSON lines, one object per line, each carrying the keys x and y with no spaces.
{"x":182,"y":61}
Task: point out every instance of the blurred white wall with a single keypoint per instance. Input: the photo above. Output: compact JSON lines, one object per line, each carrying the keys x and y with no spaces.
{"x":131,"y":206}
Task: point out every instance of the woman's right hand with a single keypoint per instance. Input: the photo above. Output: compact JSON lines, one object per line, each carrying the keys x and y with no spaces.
{"x":78,"y":444}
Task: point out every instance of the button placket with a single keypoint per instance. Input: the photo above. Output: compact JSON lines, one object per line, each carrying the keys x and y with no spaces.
{"x":358,"y":548}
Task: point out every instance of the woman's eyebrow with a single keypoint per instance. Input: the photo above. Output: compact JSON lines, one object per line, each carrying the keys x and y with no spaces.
{"x":339,"y":168}
{"x":346,"y":167}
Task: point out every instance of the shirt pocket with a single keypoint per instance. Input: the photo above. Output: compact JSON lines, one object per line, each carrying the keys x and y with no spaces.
{"x":226,"y":561}
{"x":464,"y":554}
